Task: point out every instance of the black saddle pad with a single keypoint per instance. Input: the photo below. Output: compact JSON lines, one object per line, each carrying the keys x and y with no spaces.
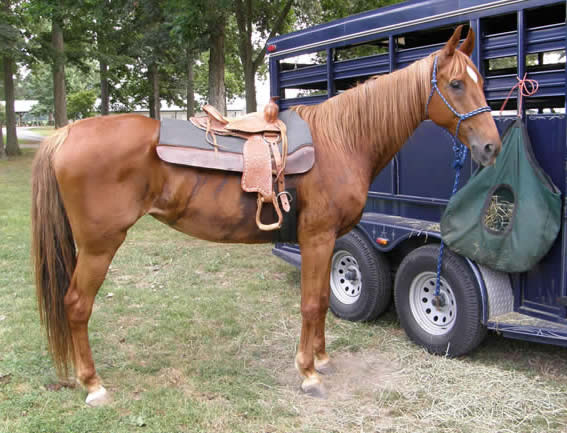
{"x":175,"y":132}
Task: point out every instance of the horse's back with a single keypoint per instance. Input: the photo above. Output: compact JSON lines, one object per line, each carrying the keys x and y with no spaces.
{"x":97,"y":143}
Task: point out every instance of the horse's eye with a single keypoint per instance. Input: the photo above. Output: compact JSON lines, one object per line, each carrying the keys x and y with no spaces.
{"x":456,"y":84}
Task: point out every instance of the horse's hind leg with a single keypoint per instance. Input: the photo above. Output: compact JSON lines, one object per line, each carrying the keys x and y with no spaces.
{"x":89,"y":274}
{"x":315,"y":269}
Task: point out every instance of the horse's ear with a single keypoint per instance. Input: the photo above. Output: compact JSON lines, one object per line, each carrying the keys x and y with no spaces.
{"x":451,"y":45}
{"x":468,"y":46}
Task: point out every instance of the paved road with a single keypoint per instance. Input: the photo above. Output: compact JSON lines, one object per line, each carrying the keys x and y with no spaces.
{"x":25,"y":133}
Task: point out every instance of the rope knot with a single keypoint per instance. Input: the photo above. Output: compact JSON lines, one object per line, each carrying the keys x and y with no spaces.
{"x":458,"y":164}
{"x":526,"y":87}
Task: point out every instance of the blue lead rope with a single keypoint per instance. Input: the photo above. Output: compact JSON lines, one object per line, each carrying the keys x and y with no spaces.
{"x":460,"y":151}
{"x":460,"y":155}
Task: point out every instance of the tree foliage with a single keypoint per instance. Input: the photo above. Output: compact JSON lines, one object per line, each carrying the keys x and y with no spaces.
{"x":81,"y":104}
{"x":263,"y":19}
{"x":327,"y":10}
{"x":132,"y":53}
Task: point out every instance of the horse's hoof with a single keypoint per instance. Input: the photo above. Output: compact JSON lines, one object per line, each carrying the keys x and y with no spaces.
{"x":314,"y":388}
{"x":325,"y":367}
{"x":98,"y":398}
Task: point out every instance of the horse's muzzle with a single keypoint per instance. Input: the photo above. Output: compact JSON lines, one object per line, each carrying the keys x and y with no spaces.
{"x":485,"y":154}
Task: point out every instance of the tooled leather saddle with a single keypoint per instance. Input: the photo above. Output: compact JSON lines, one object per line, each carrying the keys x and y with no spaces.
{"x":256,"y":145}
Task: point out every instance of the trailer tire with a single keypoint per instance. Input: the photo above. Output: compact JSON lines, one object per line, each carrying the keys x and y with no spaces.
{"x":361,"y":280}
{"x":456,"y":328}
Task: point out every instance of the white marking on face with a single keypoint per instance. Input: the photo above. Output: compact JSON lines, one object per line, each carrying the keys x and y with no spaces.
{"x":472,"y":74}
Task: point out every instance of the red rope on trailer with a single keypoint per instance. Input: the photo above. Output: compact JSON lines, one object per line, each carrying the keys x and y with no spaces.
{"x":526,"y":87}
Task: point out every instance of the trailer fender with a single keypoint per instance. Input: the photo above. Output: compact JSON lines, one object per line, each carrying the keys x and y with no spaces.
{"x":495,"y":290}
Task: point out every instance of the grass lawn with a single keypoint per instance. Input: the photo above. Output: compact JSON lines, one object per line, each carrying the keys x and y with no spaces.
{"x":191,"y":336}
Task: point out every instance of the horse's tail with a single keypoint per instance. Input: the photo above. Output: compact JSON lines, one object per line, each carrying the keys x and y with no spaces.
{"x":53,"y":251}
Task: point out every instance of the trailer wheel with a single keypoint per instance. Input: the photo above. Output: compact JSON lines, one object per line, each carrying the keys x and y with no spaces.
{"x":361,"y":282}
{"x":453,"y":329}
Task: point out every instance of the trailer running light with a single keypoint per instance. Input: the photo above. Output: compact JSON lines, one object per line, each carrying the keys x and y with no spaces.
{"x":271,"y":48}
{"x":382,"y":241}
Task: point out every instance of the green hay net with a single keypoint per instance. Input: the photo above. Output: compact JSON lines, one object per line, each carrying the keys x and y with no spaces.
{"x":508,"y":215}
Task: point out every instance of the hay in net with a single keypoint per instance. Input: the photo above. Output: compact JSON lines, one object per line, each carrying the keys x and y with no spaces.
{"x":498,"y":215}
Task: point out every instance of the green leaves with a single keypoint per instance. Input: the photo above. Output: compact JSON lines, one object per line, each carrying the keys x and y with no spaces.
{"x":81,"y":104}
{"x":129,"y":35}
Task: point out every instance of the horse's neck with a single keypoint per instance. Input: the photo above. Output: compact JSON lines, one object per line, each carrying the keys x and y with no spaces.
{"x":401,"y":99}
{"x":375,"y":119}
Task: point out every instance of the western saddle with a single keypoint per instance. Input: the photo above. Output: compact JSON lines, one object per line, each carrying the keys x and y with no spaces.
{"x":263,"y":160}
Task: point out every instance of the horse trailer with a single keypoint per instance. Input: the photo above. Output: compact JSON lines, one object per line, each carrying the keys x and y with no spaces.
{"x":398,"y":235}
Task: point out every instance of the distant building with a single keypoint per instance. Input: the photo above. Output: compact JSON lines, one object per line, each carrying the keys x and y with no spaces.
{"x":174,"y":112}
{"x":22,"y":108}
{"x":25,"y":118}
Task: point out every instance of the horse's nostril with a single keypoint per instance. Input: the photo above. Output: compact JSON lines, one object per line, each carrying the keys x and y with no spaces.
{"x":488,"y":148}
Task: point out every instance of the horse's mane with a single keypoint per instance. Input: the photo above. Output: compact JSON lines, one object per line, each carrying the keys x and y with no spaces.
{"x":386,"y":106}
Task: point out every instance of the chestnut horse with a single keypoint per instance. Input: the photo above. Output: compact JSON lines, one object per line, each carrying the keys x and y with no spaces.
{"x":94,"y":179}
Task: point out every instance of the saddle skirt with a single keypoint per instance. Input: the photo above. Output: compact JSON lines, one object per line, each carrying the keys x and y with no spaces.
{"x":182,"y":142}
{"x":258,"y":146}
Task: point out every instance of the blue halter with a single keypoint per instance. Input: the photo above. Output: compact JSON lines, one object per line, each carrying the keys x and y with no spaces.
{"x":458,"y":147}
{"x":460,"y":151}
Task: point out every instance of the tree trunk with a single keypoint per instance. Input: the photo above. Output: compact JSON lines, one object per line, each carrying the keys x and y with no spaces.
{"x":151,"y":97}
{"x":59,"y":74}
{"x":2,"y":149}
{"x":190,"y":84}
{"x":153,"y":73}
{"x":104,"y":90}
{"x":244,"y":21}
{"x":12,"y":147}
{"x":217,"y":91}
{"x":250,"y":87}
{"x":244,"y":16}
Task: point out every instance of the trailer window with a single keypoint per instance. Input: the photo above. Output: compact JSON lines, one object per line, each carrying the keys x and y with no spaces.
{"x":502,"y":65}
{"x":546,"y":15}
{"x":360,"y":50}
{"x":358,"y":62}
{"x":296,"y":92}
{"x":424,"y":38}
{"x":304,"y":75}
{"x":499,"y":42}
{"x":499,"y":24}
{"x":545,"y":31}
{"x":546,"y":60}
{"x":304,"y":61}
{"x":416,"y":45}
{"x":545,"y":57}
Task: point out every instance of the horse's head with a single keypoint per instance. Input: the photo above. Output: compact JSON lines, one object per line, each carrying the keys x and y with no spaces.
{"x":460,"y":84}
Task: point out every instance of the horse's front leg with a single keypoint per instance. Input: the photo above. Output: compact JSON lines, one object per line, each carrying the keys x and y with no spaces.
{"x":322,"y":361}
{"x":315,"y":268}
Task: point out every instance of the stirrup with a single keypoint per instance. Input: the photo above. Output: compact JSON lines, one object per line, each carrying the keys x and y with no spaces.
{"x":273,"y":226}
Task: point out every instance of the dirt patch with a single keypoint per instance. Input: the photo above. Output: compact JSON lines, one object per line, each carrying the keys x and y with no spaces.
{"x":354,"y":374}
{"x":362,"y":390}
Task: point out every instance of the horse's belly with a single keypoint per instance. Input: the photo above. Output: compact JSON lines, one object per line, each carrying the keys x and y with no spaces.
{"x":211,"y":206}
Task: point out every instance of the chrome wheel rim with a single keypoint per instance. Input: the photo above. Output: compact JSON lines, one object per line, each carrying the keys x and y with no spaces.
{"x":346,"y":278}
{"x":435,"y":321}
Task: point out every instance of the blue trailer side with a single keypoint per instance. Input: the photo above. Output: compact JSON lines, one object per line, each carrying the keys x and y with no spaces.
{"x":407,"y":199}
